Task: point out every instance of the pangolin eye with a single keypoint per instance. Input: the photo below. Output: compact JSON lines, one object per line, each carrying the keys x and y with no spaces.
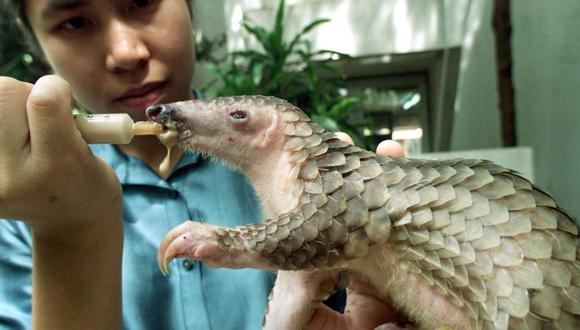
{"x":238,"y":115}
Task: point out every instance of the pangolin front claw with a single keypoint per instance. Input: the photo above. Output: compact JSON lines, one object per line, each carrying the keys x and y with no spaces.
{"x":191,"y":239}
{"x":165,"y":254}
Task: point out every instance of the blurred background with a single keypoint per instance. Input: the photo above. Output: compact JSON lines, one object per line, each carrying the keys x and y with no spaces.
{"x":494,"y":79}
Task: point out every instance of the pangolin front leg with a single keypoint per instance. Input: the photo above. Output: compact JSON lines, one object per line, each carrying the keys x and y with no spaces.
{"x":206,"y":242}
{"x":289,"y":242}
{"x":271,"y":245}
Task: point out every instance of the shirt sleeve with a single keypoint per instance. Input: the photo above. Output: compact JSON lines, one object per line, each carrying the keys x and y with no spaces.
{"x":15,"y":275}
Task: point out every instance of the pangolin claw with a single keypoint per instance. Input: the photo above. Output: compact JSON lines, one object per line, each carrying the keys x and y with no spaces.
{"x":164,"y":266}
{"x":173,"y":246}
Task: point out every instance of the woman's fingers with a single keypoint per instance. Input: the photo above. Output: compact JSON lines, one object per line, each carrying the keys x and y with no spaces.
{"x":385,"y":148}
{"x":390,"y":148}
{"x":344,"y":137}
{"x":13,"y":124}
{"x":324,"y":318}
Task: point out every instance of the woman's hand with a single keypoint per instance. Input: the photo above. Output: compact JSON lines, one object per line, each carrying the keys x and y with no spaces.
{"x":385,"y":148}
{"x":48,"y":176}
{"x":364,"y":310}
{"x":70,"y":199}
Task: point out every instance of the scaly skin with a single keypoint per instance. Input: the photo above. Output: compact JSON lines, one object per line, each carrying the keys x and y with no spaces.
{"x":460,"y":243}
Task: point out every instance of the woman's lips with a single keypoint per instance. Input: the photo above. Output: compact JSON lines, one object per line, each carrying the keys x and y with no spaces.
{"x":143,"y":96}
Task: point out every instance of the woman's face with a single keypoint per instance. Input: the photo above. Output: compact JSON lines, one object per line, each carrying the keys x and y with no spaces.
{"x":117,"y":55}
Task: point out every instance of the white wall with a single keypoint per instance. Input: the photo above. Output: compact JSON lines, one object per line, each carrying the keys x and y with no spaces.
{"x":391,"y":26}
{"x":476,"y":123}
{"x":546,"y":50}
{"x":547,"y":80}
{"x":208,"y":19}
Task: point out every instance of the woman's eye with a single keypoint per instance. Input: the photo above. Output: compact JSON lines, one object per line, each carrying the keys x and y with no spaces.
{"x":238,"y":115}
{"x":144,"y":7}
{"x":74,"y":23}
{"x":141,"y":3}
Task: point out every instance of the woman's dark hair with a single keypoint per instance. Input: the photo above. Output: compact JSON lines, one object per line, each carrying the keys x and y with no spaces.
{"x":20,"y":54}
{"x":15,"y":15}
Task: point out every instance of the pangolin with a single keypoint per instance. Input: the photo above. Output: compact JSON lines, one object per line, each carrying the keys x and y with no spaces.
{"x":461,"y":243}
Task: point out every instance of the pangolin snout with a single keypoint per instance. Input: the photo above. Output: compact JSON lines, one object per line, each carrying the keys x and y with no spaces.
{"x":160,"y":113}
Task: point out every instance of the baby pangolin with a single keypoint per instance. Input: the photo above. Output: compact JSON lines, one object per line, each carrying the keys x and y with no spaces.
{"x":461,"y":243}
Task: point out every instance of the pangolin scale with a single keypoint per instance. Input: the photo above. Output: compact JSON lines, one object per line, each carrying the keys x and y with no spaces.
{"x":478,"y":236}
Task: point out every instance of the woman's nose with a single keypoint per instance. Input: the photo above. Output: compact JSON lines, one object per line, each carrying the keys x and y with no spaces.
{"x":127,"y":49}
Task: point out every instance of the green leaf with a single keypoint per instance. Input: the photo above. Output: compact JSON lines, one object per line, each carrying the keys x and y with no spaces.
{"x":325,"y":122}
{"x":276,"y":36}
{"x":259,"y":33}
{"x":307,"y":29}
{"x":344,"y":108}
{"x":257,"y":72}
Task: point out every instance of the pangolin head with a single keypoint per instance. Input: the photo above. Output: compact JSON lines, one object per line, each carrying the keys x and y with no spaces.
{"x":235,"y":128}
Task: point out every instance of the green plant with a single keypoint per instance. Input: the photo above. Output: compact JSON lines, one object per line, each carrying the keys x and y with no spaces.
{"x":291,"y":70}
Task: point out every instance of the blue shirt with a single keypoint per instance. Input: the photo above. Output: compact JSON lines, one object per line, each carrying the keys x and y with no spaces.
{"x":193,"y":296}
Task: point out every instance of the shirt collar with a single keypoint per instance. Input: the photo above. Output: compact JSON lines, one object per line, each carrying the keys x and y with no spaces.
{"x":133,"y":171}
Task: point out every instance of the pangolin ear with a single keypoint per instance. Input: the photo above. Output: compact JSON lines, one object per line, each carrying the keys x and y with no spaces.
{"x":272,"y":133}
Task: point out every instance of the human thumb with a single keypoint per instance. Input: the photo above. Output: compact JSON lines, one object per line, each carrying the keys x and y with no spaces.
{"x":50,"y":118}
